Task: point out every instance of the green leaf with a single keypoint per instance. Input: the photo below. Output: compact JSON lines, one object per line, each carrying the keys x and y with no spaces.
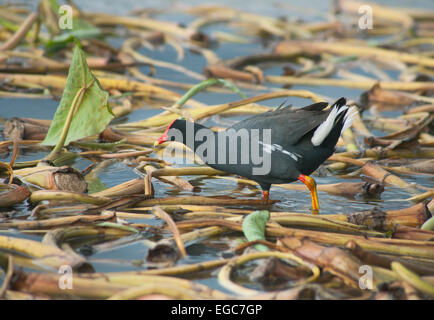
{"x":83,"y":110}
{"x":94,"y":184}
{"x":429,"y":224}
{"x":254,"y":227}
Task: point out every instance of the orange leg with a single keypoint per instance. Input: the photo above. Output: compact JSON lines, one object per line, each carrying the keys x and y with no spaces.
{"x":311,"y":185}
{"x":266,"y":196}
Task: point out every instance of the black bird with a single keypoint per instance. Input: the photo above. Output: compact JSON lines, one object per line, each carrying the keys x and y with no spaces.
{"x":279,"y":146}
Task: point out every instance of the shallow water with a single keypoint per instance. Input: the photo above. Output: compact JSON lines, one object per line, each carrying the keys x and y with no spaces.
{"x":119,"y":258}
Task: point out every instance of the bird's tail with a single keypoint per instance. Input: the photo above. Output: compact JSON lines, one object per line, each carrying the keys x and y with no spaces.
{"x":339,"y":118}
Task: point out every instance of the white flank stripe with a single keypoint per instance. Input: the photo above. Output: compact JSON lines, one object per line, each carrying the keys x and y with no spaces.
{"x":276,"y":147}
{"x":294,"y":156}
{"x":324,"y":129}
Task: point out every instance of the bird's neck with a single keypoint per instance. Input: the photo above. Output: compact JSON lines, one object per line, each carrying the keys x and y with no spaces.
{"x":193,"y":134}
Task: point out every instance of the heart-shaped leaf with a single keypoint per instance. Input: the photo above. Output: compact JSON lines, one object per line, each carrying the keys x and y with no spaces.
{"x":83,"y":110}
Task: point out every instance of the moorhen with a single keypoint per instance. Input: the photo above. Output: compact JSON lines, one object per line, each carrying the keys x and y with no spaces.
{"x":295,"y":142}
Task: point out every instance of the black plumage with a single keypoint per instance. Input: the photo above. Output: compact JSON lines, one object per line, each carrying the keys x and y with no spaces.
{"x":292,"y":153}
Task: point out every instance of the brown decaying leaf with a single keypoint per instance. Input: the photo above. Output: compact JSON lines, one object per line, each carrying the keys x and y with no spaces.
{"x":16,"y":194}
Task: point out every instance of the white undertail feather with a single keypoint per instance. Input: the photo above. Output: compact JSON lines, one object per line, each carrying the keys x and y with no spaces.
{"x":342,"y":109}
{"x":349,"y":118}
{"x":324,"y":129}
{"x":277,"y":147}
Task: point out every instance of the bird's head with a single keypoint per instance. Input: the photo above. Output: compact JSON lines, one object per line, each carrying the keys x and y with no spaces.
{"x":175,"y":124}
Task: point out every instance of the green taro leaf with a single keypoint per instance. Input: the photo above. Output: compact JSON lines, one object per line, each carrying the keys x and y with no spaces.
{"x":84,"y":100}
{"x":254,"y":227}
